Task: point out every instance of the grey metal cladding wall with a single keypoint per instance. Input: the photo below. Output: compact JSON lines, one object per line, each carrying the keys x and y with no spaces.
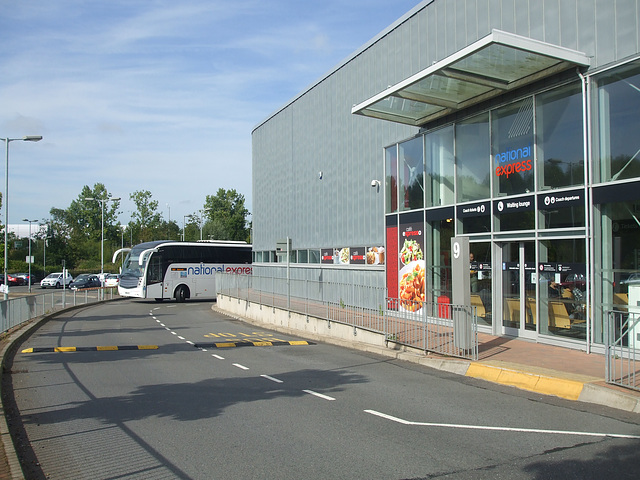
{"x":316,"y":131}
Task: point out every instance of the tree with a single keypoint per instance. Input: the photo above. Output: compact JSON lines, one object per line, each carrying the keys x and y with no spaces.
{"x":76,"y":233}
{"x":226,"y":216}
{"x":146,"y":218}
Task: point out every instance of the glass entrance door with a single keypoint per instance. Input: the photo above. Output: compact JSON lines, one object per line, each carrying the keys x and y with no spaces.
{"x":518,"y":289}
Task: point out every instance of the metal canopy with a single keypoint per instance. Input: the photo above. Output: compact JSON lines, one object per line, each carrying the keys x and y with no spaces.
{"x":497,"y":63}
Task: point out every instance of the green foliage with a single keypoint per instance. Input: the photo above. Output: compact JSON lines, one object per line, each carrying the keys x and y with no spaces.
{"x":226,"y":216}
{"x":146,"y":219}
{"x":74,"y":235}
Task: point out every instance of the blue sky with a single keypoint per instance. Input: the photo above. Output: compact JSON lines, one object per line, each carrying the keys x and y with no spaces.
{"x":158,"y":95}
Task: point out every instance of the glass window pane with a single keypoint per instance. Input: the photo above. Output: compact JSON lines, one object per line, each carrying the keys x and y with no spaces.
{"x":481,"y":286}
{"x":511,"y":148}
{"x":498,"y":61}
{"x":480,"y":224}
{"x":562,"y":285}
{"x":473,"y":159}
{"x":563,"y":218}
{"x":437,"y":250}
{"x":314,"y":256}
{"x":439,"y":161}
{"x":560,"y":142}
{"x":620,"y":253}
{"x":411,"y":170}
{"x":391,"y":182}
{"x":617,"y":144}
{"x":508,"y":222}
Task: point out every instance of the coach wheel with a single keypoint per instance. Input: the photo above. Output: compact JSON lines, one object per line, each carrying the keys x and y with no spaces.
{"x":181,"y":293}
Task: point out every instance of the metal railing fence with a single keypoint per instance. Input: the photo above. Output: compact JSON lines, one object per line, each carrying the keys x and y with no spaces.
{"x":622,"y":348}
{"x":16,"y":311}
{"x":433,"y":327}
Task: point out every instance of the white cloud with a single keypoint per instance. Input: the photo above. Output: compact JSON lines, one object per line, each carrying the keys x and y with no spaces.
{"x":158,"y":95}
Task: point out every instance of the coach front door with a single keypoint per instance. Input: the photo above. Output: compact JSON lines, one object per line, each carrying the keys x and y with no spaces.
{"x":154,"y":277}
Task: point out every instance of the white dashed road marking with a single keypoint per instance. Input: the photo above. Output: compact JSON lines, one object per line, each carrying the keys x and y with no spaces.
{"x":320,"y":395}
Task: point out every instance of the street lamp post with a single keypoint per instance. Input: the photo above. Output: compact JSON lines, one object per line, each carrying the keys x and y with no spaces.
{"x":28,"y":138}
{"x":102,"y":202}
{"x":169,"y":223}
{"x":202,"y":219}
{"x":30,"y":222}
{"x":44,"y":249}
{"x":184,"y":226}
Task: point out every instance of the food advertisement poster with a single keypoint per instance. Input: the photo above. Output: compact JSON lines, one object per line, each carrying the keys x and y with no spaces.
{"x":343,"y":256}
{"x":411,"y":276}
{"x":375,"y":256}
{"x":391,"y":225}
{"x":327,"y":255}
{"x":356,"y":255}
{"x":353,"y":256}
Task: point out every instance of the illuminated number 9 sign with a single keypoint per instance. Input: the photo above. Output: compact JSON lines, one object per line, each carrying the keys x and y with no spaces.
{"x":456,"y":250}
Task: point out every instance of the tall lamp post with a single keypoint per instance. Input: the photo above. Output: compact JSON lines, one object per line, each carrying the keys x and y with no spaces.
{"x":30,"y":222}
{"x":184,"y":226}
{"x":202,"y":219}
{"x":169,"y":223}
{"x":28,"y":138}
{"x":102,"y":202}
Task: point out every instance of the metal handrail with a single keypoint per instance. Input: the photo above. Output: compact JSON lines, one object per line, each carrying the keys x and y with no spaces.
{"x":17,"y":311}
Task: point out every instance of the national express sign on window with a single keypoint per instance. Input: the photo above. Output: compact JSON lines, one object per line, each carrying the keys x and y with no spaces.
{"x":516,"y":160}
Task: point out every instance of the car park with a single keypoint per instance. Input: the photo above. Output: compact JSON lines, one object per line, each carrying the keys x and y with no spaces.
{"x":85,"y":280}
{"x":56,"y":280}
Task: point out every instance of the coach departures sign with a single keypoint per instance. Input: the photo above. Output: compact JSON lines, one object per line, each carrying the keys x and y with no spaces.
{"x":550,"y":201}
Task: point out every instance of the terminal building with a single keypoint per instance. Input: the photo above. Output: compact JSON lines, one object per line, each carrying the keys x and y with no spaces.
{"x":511,"y":122}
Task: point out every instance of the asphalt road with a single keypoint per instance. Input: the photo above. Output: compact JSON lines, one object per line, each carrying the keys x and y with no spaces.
{"x":197,"y":407}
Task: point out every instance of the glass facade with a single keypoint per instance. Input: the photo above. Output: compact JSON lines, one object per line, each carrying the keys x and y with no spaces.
{"x":615,"y":99}
{"x":513,"y":179}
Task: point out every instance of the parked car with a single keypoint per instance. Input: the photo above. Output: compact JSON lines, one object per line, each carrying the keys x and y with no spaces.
{"x":14,"y":279}
{"x":85,"y":280}
{"x":25,"y":278}
{"x":575,"y":280}
{"x":55,"y":280}
{"x":112,"y":280}
{"x":633,"y":279}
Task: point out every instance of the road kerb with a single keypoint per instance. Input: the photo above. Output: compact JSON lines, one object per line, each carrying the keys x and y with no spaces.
{"x":563,"y":388}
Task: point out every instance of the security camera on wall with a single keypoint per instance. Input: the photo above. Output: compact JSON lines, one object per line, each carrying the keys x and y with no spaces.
{"x":375,"y":183}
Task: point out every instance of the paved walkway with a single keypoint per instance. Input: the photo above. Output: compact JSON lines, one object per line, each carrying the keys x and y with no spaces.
{"x":552,"y":370}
